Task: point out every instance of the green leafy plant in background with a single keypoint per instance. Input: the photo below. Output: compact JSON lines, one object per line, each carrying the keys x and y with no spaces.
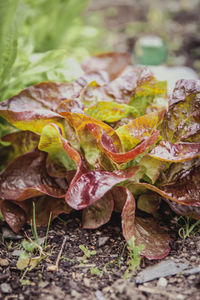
{"x":38,"y":39}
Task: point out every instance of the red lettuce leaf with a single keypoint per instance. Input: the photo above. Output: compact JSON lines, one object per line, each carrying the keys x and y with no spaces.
{"x":106,"y":145}
{"x":44,"y":206}
{"x":26,"y":177}
{"x":78,"y":158}
{"x":182,"y":121}
{"x":119,"y":196}
{"x":79,"y":122}
{"x":16,"y":214}
{"x":35,"y":107}
{"x":21,"y":142}
{"x":98,"y":213}
{"x":153,"y":237}
{"x":184,"y":210}
{"x":113,"y":63}
{"x":182,"y":188}
{"x":138,"y":129}
{"x":145,"y":231}
{"x":166,"y":151}
{"x":93,"y":185}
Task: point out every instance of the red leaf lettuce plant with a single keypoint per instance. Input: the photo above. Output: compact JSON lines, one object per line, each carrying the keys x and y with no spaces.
{"x":99,"y":143}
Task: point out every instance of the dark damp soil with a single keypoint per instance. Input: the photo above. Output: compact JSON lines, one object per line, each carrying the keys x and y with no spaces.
{"x":75,"y":278}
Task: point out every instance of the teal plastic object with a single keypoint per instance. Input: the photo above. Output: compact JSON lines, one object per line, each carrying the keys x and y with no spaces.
{"x":150,"y":50}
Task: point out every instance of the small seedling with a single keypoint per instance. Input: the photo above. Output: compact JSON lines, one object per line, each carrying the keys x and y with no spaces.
{"x":134,"y":258}
{"x":96,"y":271}
{"x":188,"y":228}
{"x":33,"y":250}
{"x":25,"y":282}
{"x":87,"y":253}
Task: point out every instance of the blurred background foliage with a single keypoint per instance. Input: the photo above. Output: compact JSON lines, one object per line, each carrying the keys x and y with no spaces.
{"x":39,"y":38}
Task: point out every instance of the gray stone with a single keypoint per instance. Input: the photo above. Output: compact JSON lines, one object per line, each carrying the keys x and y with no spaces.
{"x":102,"y":241}
{"x":193,"y":258}
{"x":191,"y":271}
{"x":17,"y":252}
{"x":162,"y":269}
{"x":6,"y":288}
{"x":99,"y":295}
{"x":8,"y":234}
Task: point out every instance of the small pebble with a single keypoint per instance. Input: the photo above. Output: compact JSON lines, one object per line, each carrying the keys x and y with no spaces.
{"x":193,"y":258}
{"x":102,"y":240}
{"x":6,"y":288}
{"x":162,"y":282}
{"x":4,"y":262}
{"x":87,"y":282}
{"x":17,"y":252}
{"x":198,"y":246}
{"x":191,"y":277}
{"x":99,"y":295}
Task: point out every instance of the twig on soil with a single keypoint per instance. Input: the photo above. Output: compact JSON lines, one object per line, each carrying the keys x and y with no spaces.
{"x":54,"y":268}
{"x":156,"y":291}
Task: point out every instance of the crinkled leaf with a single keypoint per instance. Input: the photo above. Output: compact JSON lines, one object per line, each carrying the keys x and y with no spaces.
{"x":91,"y":150}
{"x":94,"y":93}
{"x":167,"y":151}
{"x":35,"y":106}
{"x":145,"y":231}
{"x":149,"y":203}
{"x":93,"y":185}
{"x":26,"y":177}
{"x":51,"y":142}
{"x":110,"y":111}
{"x":151,"y":168}
{"x":135,"y":131}
{"x":153,"y":237}
{"x":184,"y":210}
{"x":14,"y":215}
{"x":106,"y":145}
{"x":119,"y":196}
{"x":46,"y":206}
{"x":183,"y":187}
{"x":128,"y":216}
{"x":98,"y":213}
{"x":20,"y":143}
{"x":150,"y":94}
{"x":55,"y":142}
{"x":113,"y":63}
{"x":17,"y":214}
{"x":72,"y":105}
{"x":182,"y":121}
{"x":79,"y":121}
{"x":123,"y":87}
